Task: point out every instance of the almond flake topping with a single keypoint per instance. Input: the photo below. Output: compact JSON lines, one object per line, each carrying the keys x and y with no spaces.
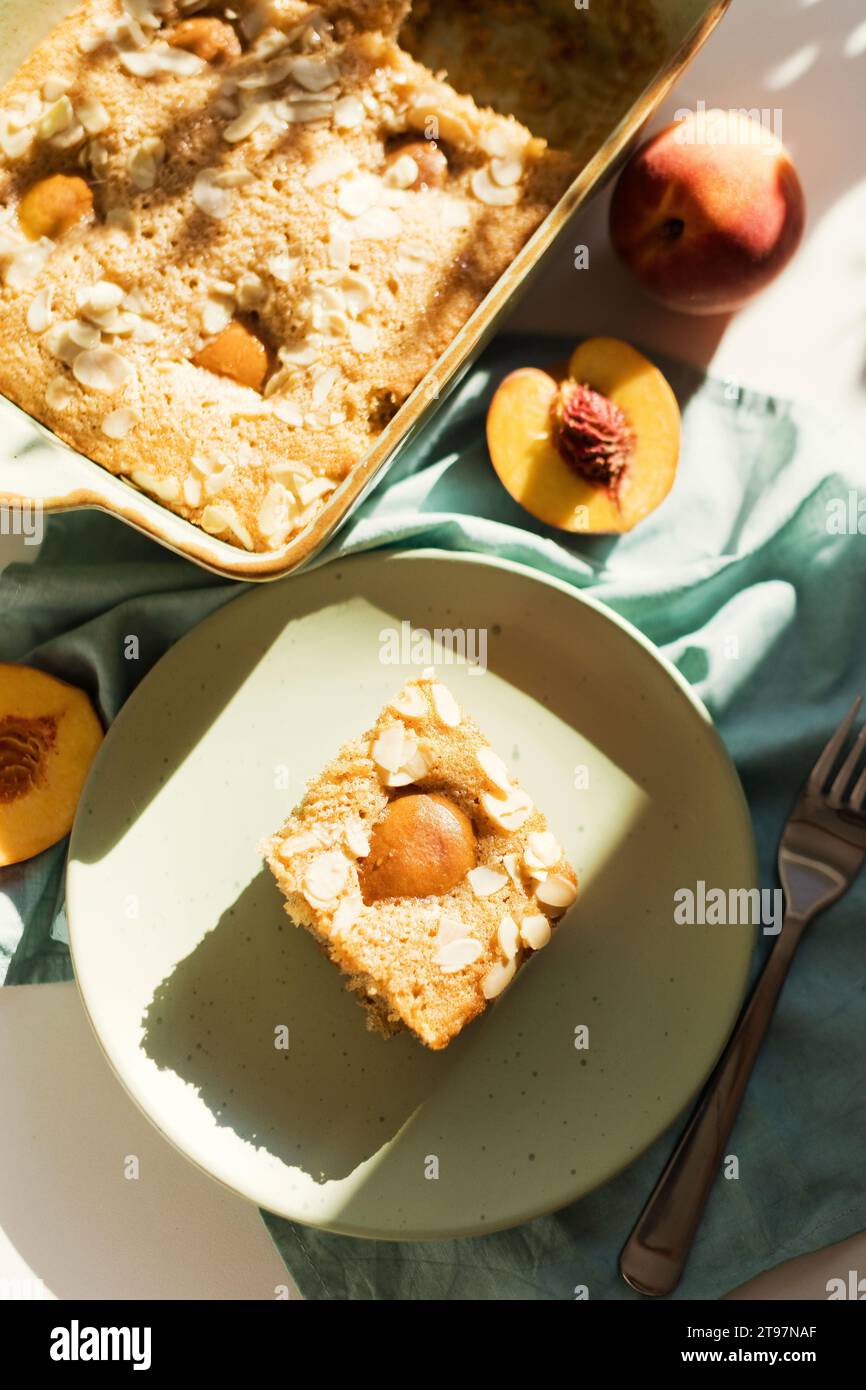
{"x":347,"y":913}
{"x":243,"y":125}
{"x":556,"y":892}
{"x":100,"y":369}
{"x":348,"y":113}
{"x":508,"y":812}
{"x":314,"y":74}
{"x":491,"y":193}
{"x":493,"y":767}
{"x":60,"y":393}
{"x":410,"y":703}
{"x":535,"y":931}
{"x":508,"y":937}
{"x":456,"y":955}
{"x":542,"y":850}
{"x":118,"y":423}
{"x":506,"y":172}
{"x":497,"y":977}
{"x":298,"y":844}
{"x":325,"y":878}
{"x":387,"y":749}
{"x":213,"y":191}
{"x":217,"y":518}
{"x":357,"y":840}
{"x":144,"y":163}
{"x":446,"y":707}
{"x":450,"y":929}
{"x":166,"y":489}
{"x":39,"y":316}
{"x":484,"y":881}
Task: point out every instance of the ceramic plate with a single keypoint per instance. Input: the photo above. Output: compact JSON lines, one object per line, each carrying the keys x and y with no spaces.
{"x":189,"y":968}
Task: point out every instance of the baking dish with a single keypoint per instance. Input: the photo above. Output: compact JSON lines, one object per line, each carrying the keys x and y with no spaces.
{"x":645,"y":48}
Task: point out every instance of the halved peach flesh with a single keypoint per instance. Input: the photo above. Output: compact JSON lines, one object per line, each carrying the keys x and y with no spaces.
{"x":524,"y":452}
{"x":49,"y":736}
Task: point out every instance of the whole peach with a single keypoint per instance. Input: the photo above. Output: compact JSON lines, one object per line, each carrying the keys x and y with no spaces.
{"x":708,"y":211}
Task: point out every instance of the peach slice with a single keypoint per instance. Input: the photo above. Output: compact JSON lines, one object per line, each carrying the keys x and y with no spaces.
{"x":423,"y":846}
{"x":49,"y":736}
{"x":595,"y":450}
{"x":54,"y":205}
{"x":237,"y":353}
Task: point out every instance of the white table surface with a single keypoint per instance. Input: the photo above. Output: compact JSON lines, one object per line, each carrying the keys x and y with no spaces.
{"x":71,"y":1226}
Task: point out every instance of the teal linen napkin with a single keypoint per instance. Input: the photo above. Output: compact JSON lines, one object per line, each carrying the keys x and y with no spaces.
{"x":751,"y":579}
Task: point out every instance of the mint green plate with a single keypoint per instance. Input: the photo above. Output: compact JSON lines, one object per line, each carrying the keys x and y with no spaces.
{"x":189,"y":968}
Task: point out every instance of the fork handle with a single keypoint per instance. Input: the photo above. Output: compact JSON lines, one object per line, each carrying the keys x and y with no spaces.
{"x":655,"y":1254}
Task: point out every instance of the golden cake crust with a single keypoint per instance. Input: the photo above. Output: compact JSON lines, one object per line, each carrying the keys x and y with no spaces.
{"x":354,"y":282}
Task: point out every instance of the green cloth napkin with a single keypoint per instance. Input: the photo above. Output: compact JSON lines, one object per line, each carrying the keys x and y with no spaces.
{"x":751,"y":579}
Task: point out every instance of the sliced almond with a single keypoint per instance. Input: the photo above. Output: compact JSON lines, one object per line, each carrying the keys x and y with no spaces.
{"x":24,"y":265}
{"x":118,"y":423}
{"x":289,"y":412}
{"x":402,"y":173}
{"x":363,"y":337}
{"x":456,"y":955}
{"x":556,"y":893}
{"x":509,"y":863}
{"x":377,"y":224}
{"x":347,"y":913}
{"x":84,"y":335}
{"x":282,"y":267}
{"x":59,"y":342}
{"x":329,"y":168}
{"x":485,"y":881}
{"x":39,"y":315}
{"x":413,"y":766}
{"x":217,"y":518}
{"x":535,"y":930}
{"x":192,"y":491}
{"x":358,"y":194}
{"x":348,"y":113}
{"x":144,"y":163}
{"x":388,"y":748}
{"x":410,"y":703}
{"x":508,"y":937}
{"x":357,"y":840}
{"x":509,"y":812}
{"x":450,"y":929}
{"x":58,"y":117}
{"x":217,"y":312}
{"x":542,"y":850}
{"x":101,"y":369}
{"x":274,"y":514}
{"x":213,"y":190}
{"x":59,"y":393}
{"x":166,"y":489}
{"x":93,"y":116}
{"x":445,"y":705}
{"x":299,"y":843}
{"x":506,"y":172}
{"x":493,"y":768}
{"x":325,"y":878}
{"x":314,"y":74}
{"x":243,"y":125}
{"x":497,"y":978}
{"x":493,"y":194}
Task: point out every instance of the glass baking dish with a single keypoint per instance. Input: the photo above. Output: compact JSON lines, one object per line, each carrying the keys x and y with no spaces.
{"x":638,"y":51}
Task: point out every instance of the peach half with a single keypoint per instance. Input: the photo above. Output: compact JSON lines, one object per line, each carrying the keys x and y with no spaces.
{"x":595,"y":451}
{"x":49,"y":736}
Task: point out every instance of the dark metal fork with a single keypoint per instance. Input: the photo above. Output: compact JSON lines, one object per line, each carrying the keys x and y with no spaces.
{"x":822,"y":848}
